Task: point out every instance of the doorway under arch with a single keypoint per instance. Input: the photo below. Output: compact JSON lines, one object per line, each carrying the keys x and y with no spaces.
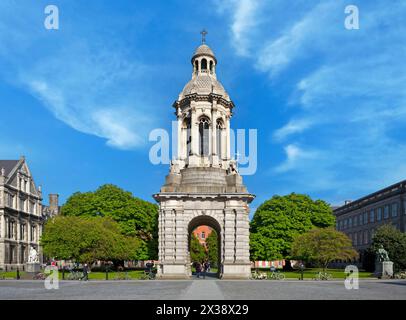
{"x":211,"y":222}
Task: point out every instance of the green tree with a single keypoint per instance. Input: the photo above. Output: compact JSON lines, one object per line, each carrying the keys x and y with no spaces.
{"x":394,"y":242}
{"x":323,"y":245}
{"x":87,"y":239}
{"x":135,"y":217}
{"x":279,"y":220}
{"x":212,"y":248}
{"x":197,"y":251}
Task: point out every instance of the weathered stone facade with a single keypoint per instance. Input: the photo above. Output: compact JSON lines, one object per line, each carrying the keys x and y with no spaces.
{"x":22,"y":214}
{"x":204,"y":186}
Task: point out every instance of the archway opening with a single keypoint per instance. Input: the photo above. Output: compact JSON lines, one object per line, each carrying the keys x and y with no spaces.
{"x":204,"y":247}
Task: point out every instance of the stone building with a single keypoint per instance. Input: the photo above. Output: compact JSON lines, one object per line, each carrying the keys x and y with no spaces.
{"x":203,"y":186}
{"x":22,"y":213}
{"x":201,"y":233}
{"x":360,"y":218}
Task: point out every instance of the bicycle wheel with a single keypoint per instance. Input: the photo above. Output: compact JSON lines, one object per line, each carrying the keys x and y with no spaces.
{"x":281,"y":276}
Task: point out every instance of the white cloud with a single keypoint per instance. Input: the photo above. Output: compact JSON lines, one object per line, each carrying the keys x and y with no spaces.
{"x":294,"y":157}
{"x":349,"y":83}
{"x":292,"y":127}
{"x":91,"y":84}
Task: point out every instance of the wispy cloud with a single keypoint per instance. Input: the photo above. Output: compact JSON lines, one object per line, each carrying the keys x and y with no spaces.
{"x":91,"y":84}
{"x":294,"y":157}
{"x":347,"y":102}
{"x":292,"y":127}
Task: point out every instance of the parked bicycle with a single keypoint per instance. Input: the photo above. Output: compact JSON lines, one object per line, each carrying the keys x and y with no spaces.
{"x":39,"y":276}
{"x":276,"y":275}
{"x":323,"y":276}
{"x":75,"y":275}
{"x":256,"y":275}
{"x":148,"y":275}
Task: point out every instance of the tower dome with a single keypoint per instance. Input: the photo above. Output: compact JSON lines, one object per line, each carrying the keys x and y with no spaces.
{"x":204,"y":80}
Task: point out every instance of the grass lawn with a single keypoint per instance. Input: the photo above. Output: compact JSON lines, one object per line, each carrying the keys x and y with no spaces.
{"x":131,"y":275}
{"x":310,"y":273}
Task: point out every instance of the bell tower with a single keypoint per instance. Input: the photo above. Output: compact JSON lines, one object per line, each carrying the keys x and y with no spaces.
{"x":203,"y":186}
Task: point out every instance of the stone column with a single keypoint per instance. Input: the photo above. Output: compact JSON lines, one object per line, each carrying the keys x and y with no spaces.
{"x":3,"y":226}
{"x":169,"y":237}
{"x":214,"y":133}
{"x":29,"y":232}
{"x":180,"y":238}
{"x":229,"y":237}
{"x":194,"y":132}
{"x":180,"y":140}
{"x":242,"y":237}
{"x":228,"y":138}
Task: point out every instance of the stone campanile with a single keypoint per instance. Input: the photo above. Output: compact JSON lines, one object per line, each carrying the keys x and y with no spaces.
{"x":203,"y":186}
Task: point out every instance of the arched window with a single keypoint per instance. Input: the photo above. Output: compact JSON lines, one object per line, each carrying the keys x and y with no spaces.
{"x":219,"y":135}
{"x":196,"y":66}
{"x":204,"y":64}
{"x":204,"y":137}
{"x":211,"y":66}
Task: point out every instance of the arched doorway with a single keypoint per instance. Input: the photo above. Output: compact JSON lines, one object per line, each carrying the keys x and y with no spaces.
{"x":210,"y":222}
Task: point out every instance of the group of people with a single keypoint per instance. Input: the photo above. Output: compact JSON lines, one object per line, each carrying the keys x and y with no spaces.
{"x":202,"y":268}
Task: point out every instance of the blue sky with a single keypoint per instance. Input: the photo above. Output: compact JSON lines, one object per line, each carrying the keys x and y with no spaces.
{"x":329,"y":103}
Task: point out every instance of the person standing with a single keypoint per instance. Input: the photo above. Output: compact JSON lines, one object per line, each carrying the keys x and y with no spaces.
{"x":198,"y":269}
{"x":85,"y":272}
{"x":204,"y":269}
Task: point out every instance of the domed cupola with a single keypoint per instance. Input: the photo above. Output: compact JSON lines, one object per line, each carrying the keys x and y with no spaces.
{"x":204,"y":79}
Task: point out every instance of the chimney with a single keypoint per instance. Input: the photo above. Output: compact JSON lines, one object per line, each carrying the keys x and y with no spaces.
{"x":54,"y":202}
{"x":347,"y":202}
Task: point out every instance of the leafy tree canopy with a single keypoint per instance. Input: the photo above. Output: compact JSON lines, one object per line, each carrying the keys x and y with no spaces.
{"x":212,"y":248}
{"x":323,"y":246}
{"x":135,"y":217}
{"x":87,"y":239}
{"x":197,"y":251}
{"x":394,"y":242}
{"x":279,"y":220}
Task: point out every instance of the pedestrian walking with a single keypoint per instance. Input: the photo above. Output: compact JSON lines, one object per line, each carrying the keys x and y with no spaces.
{"x":198,"y":269}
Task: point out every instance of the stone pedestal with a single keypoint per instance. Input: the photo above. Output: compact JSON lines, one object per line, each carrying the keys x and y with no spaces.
{"x":32,"y":267}
{"x":384,"y":269}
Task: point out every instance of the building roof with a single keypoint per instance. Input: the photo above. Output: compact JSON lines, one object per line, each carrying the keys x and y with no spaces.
{"x":204,"y":85}
{"x":204,"y":50}
{"x":373,"y":197}
{"x":8,"y":165}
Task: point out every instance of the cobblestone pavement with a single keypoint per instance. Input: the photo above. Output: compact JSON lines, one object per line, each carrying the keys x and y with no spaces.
{"x":204,"y":289}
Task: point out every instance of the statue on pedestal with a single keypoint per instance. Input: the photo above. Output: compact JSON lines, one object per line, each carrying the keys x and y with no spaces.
{"x":33,"y":256}
{"x":383,"y":265}
{"x":382,"y":254}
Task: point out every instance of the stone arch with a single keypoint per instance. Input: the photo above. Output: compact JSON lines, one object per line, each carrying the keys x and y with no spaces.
{"x":203,"y":65}
{"x":213,"y":222}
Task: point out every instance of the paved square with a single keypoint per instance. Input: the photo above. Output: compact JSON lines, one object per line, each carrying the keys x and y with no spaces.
{"x":203,"y":290}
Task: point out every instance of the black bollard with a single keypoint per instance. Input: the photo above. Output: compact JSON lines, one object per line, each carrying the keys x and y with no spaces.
{"x":63,"y":273}
{"x":107,"y":273}
{"x":18,"y":274}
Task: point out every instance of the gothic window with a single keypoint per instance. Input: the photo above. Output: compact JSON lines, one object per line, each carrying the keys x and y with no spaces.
{"x":219,"y":134}
{"x":204,"y":64}
{"x":204,"y":137}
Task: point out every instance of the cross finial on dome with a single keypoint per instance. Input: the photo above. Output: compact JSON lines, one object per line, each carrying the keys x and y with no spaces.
{"x":203,"y":33}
